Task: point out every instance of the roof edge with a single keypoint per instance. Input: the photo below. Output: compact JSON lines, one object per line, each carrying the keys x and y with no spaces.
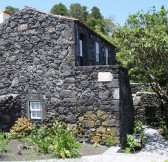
{"x":6,"y":12}
{"x":72,"y":19}
{"x":94,"y":32}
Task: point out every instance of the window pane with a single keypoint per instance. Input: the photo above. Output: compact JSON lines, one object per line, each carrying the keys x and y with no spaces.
{"x":97,"y":52}
{"x":97,"y":57}
{"x":33,"y":114}
{"x":97,"y":48}
{"x":80,"y":46}
{"x":35,"y":109}
{"x":37,"y":106}
{"x":106,"y":55}
{"x":33,"y":105}
{"x":38,"y":113}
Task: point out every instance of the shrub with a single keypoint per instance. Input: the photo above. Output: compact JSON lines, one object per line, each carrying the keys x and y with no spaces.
{"x":58,"y":140}
{"x":135,"y":141}
{"x":3,"y":142}
{"x":165,"y":133}
{"x":132,"y":144}
{"x":138,"y":127}
{"x":21,"y":128}
{"x":163,"y":128}
{"x":110,"y":140}
{"x":39,"y":138}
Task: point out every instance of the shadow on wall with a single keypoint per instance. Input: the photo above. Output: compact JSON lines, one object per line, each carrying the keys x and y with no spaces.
{"x":147,"y":105}
{"x":10,"y":110}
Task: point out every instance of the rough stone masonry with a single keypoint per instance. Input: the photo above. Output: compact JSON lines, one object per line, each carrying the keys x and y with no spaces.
{"x":37,"y":62}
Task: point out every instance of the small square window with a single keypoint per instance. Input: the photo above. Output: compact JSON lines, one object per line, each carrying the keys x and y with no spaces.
{"x":35,"y":110}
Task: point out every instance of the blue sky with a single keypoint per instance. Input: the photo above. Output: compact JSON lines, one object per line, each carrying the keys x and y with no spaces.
{"x":118,"y":9}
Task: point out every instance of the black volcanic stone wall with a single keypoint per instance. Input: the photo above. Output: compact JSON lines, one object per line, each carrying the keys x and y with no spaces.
{"x":139,"y":87}
{"x":147,"y":106}
{"x":103,"y":107}
{"x":126,"y":110}
{"x":10,"y":110}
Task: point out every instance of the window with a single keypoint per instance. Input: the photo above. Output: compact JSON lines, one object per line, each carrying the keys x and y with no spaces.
{"x":106,"y":55}
{"x":35,"y":109}
{"x":81,"y":47}
{"x":97,"y":52}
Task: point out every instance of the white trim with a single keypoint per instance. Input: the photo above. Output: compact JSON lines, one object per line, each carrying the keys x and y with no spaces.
{"x":36,"y":108}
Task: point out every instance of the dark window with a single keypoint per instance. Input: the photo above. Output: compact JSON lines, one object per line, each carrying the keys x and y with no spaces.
{"x":106,"y":56}
{"x":97,"y":52}
{"x":82,"y":49}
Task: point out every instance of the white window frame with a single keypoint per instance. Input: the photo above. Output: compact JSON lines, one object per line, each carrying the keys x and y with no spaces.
{"x":35,"y":109}
{"x":97,"y":52}
{"x":81,"y":48}
{"x":107,"y":55}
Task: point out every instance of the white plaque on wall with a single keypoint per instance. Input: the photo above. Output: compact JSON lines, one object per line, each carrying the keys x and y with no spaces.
{"x":105,"y":76}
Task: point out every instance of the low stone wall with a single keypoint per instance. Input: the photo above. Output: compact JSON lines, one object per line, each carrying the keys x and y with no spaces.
{"x":97,"y":103}
{"x":102,"y":106}
{"x":10,"y":110}
{"x":139,"y":87}
{"x":147,"y":107}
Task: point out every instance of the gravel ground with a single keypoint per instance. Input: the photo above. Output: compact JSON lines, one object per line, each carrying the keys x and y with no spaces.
{"x":11,"y":155}
{"x":156,"y":148}
{"x":155,"y":143}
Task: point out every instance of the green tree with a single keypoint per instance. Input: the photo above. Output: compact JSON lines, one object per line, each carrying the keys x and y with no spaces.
{"x":95,"y":20}
{"x":59,"y":9}
{"x":109,"y":25}
{"x":78,"y":11}
{"x":143,"y":49}
{"x":11,"y":9}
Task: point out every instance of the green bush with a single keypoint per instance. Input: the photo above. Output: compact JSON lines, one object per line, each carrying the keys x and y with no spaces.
{"x":163,"y":128}
{"x":3,"y":142}
{"x":165,"y":133}
{"x":65,"y":144}
{"x":38,"y":138}
{"x":110,"y":140}
{"x":132,"y":144}
{"x":21,"y":128}
{"x":138,"y":127}
{"x":58,"y":140}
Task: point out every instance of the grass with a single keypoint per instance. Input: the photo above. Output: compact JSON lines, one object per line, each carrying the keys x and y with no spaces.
{"x":3,"y":142}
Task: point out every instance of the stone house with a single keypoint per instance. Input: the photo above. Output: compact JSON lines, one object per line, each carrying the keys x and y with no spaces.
{"x":61,"y":70}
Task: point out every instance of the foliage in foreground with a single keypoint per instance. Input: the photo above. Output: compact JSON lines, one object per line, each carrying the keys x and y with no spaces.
{"x":3,"y":142}
{"x":163,"y":129}
{"x":110,"y":140}
{"x":135,"y":141}
{"x":21,"y":128}
{"x":57,"y":140}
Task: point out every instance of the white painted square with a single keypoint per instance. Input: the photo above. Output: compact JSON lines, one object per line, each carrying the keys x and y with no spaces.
{"x":105,"y":77}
